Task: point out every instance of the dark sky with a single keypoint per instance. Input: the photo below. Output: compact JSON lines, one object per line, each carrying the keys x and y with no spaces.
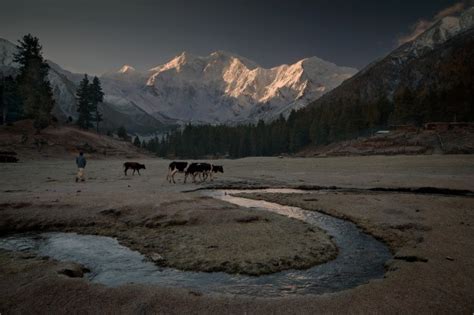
{"x":101,"y":35}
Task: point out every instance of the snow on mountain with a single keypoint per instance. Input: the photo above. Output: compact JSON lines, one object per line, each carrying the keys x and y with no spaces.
{"x":416,"y":64}
{"x":219,"y":88}
{"x":63,"y":89}
{"x":438,"y":33}
{"x":222,"y":87}
{"x":64,"y":84}
{"x":7,"y":50}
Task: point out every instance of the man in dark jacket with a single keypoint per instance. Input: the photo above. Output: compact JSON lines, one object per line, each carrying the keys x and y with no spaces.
{"x":81,"y":164}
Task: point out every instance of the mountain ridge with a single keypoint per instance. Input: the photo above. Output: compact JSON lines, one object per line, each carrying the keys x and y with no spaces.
{"x":383,"y":77}
{"x":224,"y":87}
{"x":220,"y":88}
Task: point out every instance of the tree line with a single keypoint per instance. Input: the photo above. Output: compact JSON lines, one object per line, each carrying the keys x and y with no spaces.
{"x":316,"y":126}
{"x":89,"y":95}
{"x":29,"y":95}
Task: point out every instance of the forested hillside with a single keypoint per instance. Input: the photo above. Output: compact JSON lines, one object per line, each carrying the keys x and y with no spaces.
{"x":437,"y":85}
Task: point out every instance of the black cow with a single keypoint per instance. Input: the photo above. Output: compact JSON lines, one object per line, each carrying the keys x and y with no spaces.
{"x":217,"y":169}
{"x":213,"y":169}
{"x":195,"y":169}
{"x":175,"y":167}
{"x":134,"y":166}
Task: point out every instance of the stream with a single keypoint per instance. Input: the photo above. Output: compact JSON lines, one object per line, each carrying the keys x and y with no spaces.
{"x":361,"y":257}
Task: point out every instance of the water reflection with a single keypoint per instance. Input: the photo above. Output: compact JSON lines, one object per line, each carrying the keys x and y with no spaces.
{"x":360,"y":258}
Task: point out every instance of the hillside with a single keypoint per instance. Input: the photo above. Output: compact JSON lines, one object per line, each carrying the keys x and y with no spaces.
{"x":400,"y":142}
{"x":438,"y":62}
{"x":62,"y":142}
{"x":64,"y":85}
{"x":430,"y":79}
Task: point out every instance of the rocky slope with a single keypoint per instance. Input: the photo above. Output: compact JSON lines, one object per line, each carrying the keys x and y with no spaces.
{"x":419,"y":64}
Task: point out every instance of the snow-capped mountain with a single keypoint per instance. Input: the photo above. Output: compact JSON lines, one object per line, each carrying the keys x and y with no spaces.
{"x":437,"y":34}
{"x":222,"y":87}
{"x":219,"y":88}
{"x":421,"y":62}
{"x":227,"y":88}
{"x":64,"y":84}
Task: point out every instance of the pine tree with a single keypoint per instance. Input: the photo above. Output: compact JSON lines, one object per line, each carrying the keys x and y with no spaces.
{"x":10,"y":100}
{"x":84,"y":104}
{"x":137,"y":142}
{"x":122,"y":133}
{"x":33,"y":85}
{"x":96,"y":97}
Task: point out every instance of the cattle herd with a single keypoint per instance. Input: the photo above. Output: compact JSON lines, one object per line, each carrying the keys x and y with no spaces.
{"x":200,"y":170}
{"x":203,"y":171}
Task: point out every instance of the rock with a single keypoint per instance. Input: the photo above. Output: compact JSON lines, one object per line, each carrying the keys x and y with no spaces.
{"x":111,"y":212}
{"x":248,"y":219}
{"x":195,"y":293}
{"x":411,"y":258}
{"x":27,"y":255}
{"x":72,"y":270}
{"x":156,"y":257}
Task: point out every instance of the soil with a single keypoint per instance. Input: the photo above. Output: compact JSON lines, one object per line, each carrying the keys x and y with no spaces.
{"x":398,"y":142}
{"x":429,"y":234}
{"x":190,"y":231}
{"x":62,"y":142}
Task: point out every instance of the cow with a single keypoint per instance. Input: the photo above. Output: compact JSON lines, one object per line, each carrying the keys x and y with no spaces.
{"x":210,"y":171}
{"x":195,"y":169}
{"x":134,"y":166}
{"x":175,"y":167}
{"x":216,"y":169}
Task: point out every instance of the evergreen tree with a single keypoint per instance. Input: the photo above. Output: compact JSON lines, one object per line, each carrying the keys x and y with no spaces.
{"x":122,"y":133}
{"x":33,"y":85}
{"x":137,"y":142}
{"x":84,"y":104}
{"x":10,"y":100}
{"x":96,"y":97}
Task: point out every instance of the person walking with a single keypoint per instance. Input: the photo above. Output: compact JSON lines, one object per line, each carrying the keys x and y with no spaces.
{"x":81,"y":164}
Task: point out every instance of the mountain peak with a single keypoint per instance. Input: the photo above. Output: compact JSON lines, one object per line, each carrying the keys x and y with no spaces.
{"x":175,"y":63}
{"x":226,"y":55}
{"x":223,"y":53}
{"x":442,"y":30}
{"x":127,"y":69}
{"x":184,"y":56}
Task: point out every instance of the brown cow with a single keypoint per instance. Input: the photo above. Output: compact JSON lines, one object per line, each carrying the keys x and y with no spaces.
{"x":134,"y":166}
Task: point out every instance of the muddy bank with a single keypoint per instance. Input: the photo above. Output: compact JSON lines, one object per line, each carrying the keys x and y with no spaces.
{"x":394,"y":235}
{"x":199,"y":234}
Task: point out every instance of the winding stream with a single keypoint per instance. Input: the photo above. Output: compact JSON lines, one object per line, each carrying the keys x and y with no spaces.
{"x":360,"y":259}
